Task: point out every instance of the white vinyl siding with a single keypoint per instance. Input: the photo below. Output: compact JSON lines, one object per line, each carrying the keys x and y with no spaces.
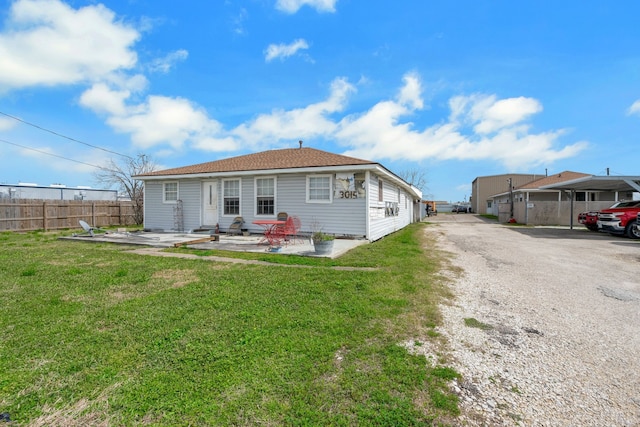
{"x":162,"y":215}
{"x":386,"y":215}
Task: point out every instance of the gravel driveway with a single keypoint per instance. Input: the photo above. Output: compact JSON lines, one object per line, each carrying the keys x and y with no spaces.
{"x":552,"y":331}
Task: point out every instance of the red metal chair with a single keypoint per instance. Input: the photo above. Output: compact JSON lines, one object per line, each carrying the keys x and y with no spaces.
{"x":284,"y":233}
{"x":295,"y":229}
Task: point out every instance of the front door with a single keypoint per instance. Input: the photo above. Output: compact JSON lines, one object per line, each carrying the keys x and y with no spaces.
{"x":209,"y":203}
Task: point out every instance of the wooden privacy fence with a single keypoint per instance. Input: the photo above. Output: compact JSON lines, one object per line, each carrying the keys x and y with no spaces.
{"x":30,"y":215}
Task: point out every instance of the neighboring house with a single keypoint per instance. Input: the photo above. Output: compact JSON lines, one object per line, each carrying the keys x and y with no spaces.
{"x":54,"y":192}
{"x":484,"y":187}
{"x":341,"y":195}
{"x":533,"y":204}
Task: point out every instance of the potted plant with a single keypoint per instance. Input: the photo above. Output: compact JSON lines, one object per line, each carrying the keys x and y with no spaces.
{"x":322,"y":242}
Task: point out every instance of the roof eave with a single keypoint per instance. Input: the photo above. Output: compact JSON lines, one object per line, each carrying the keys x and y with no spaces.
{"x":314,"y":169}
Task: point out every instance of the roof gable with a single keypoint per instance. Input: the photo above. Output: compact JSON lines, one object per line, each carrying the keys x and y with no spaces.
{"x":289,"y":158}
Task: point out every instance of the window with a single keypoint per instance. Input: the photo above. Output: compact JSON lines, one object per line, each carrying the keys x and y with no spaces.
{"x":380,"y":190}
{"x":319,"y":189}
{"x":391,"y":209}
{"x":265,"y":196}
{"x":170,"y":192}
{"x":231,"y":195}
{"x":489,"y":204}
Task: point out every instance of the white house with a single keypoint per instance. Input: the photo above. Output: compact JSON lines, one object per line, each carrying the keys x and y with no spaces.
{"x":342,"y":195}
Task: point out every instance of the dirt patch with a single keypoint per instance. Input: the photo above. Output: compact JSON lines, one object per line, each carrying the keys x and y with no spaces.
{"x":177,"y":278}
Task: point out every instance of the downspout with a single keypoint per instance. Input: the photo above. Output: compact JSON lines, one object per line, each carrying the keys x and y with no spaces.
{"x":526,"y":208}
{"x":367,"y":205}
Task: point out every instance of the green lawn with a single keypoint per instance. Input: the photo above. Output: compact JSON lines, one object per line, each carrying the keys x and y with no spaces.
{"x":93,"y":335}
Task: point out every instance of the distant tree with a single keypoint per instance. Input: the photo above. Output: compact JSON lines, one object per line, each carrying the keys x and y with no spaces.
{"x":415,"y":177}
{"x":120,"y":175}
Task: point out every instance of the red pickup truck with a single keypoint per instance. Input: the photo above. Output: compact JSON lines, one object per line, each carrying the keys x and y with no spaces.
{"x":620,"y":219}
{"x":590,"y":219}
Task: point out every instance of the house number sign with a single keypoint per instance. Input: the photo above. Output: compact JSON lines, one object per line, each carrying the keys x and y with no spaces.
{"x":348,"y":194}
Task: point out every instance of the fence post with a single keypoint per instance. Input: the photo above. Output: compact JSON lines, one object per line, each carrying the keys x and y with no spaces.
{"x":44,"y":216}
{"x":93,"y":214}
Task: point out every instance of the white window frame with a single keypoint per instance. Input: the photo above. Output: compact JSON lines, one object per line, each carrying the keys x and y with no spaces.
{"x":164,"y":192}
{"x":224,"y":196}
{"x":330,"y":188}
{"x":275,"y":196}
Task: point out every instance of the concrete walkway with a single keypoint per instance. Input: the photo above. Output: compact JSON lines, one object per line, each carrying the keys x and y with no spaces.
{"x":161,"y":253}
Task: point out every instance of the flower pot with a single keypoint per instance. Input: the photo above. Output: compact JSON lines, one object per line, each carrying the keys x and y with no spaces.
{"x":323,"y":247}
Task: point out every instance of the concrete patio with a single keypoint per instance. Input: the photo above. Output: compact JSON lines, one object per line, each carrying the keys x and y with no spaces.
{"x":239,"y":243}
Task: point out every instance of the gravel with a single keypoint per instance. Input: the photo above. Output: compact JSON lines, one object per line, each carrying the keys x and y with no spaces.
{"x":554,"y":324}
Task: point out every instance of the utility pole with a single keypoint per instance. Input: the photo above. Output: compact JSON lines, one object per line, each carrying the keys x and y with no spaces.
{"x":511,"y":197}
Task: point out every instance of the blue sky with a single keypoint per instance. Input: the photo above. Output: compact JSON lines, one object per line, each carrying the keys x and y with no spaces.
{"x":455,"y":89}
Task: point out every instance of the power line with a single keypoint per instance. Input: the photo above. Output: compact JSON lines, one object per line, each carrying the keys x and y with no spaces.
{"x":53,"y":155}
{"x":63,"y":136}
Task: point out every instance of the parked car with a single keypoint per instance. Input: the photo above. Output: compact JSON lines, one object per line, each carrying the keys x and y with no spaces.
{"x":590,"y":219}
{"x":459,"y":209}
{"x":620,"y":219}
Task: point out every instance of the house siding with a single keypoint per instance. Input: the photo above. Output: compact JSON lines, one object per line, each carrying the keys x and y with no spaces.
{"x":380,"y":224}
{"x":340,"y":217}
{"x":165,"y":216}
{"x":157,"y":215}
{"x":190,"y":193}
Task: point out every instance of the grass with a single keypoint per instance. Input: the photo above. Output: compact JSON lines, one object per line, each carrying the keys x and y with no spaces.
{"x":489,"y":216}
{"x":475,"y":323}
{"x":93,"y":335}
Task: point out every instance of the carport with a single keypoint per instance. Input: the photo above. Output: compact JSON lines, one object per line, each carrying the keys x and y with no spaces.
{"x":596,"y":183}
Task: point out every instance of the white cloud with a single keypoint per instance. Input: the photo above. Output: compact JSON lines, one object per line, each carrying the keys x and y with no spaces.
{"x":498,"y":131}
{"x":411,"y":93}
{"x":292,"y":6}
{"x":46,"y":42}
{"x":158,"y":121}
{"x":634,"y":109}
{"x":310,"y":121}
{"x":164,"y":65}
{"x":282,"y":51}
{"x":103,"y":100}
{"x":7,"y":123}
{"x":164,"y":120}
{"x":505,"y":112}
{"x":238,"y":22}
